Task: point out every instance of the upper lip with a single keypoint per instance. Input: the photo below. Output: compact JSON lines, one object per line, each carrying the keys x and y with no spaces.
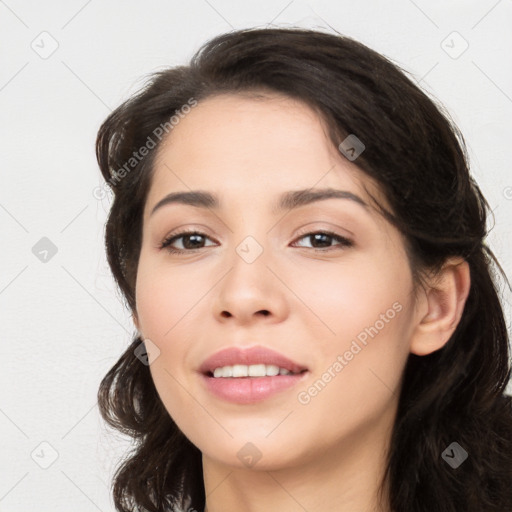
{"x":248,"y":356}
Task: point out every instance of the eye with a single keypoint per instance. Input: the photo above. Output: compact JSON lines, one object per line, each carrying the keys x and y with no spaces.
{"x":324,"y":239}
{"x":321,"y":241}
{"x":190,"y":240}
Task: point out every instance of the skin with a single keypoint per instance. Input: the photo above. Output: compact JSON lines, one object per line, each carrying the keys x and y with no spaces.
{"x":328,"y":454}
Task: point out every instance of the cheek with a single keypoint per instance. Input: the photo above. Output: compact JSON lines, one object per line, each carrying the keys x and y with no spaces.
{"x":170,"y":306}
{"x":165,"y":308}
{"x":164,"y":298}
{"x":366,"y":307}
{"x":357,"y":380}
{"x":352,"y":294}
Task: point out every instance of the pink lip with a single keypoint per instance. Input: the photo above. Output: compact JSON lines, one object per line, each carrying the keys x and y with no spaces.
{"x":246,"y":390}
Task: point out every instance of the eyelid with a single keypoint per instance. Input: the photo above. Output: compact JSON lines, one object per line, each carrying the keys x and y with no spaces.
{"x":185,"y":229}
{"x":333,"y":229}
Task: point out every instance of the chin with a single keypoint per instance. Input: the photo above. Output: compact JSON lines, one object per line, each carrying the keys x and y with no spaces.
{"x":254,"y":452}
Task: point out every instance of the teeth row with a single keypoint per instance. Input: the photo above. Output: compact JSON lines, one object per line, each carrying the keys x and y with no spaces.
{"x":253,"y":370}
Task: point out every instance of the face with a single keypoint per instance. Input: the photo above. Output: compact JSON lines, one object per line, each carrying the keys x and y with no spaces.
{"x":325,"y":283}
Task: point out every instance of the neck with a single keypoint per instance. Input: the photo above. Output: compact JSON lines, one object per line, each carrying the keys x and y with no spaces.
{"x":344,"y":478}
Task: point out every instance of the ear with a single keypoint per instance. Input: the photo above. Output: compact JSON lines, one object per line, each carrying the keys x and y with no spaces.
{"x":440,"y":307}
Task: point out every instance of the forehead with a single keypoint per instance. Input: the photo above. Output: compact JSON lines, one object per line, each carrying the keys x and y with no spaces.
{"x":252,"y":146}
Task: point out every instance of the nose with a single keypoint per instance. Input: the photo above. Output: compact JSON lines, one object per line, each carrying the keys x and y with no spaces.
{"x":250,"y":292}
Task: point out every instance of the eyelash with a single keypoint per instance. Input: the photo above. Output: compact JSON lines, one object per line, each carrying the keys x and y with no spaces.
{"x":343,"y":242}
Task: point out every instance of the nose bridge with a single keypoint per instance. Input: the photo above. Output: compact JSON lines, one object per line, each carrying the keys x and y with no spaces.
{"x":250,"y":287}
{"x":251,"y":241}
{"x":249,"y":272}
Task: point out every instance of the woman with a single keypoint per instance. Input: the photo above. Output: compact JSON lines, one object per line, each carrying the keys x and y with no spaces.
{"x":301,"y":245}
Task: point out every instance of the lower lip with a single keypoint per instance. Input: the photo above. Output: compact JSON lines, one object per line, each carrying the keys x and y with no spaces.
{"x":248,"y":390}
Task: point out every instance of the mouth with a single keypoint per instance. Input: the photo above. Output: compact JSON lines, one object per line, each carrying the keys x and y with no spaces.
{"x":254,"y":370}
{"x":250,"y":375}
{"x":256,"y":361}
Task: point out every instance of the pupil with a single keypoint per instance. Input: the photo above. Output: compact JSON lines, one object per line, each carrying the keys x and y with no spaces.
{"x":317,"y":237}
{"x":189,"y":238}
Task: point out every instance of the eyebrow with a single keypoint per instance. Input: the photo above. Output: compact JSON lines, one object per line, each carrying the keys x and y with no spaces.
{"x":287,"y":201}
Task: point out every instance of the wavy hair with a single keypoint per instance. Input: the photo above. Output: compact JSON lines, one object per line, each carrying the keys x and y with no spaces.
{"x":418,"y":157}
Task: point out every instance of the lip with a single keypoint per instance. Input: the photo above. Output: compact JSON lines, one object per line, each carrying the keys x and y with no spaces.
{"x":247,"y":390}
{"x":254,"y":355}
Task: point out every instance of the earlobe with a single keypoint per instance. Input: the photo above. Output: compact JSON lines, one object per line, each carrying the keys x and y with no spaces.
{"x":445,"y":300}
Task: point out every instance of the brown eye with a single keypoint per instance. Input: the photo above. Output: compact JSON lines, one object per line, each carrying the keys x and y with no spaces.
{"x":190,"y":240}
{"x":321,"y":240}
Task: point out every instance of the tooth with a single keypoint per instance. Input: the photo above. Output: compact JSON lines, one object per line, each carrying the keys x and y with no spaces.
{"x":240,"y":370}
{"x":227,"y":371}
{"x":253,"y":370}
{"x":272,"y":370}
{"x":257,"y":370}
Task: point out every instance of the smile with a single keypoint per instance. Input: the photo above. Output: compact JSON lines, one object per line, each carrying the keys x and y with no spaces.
{"x":253,"y":370}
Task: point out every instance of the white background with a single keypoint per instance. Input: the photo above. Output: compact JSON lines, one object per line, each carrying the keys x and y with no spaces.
{"x":63,"y":324}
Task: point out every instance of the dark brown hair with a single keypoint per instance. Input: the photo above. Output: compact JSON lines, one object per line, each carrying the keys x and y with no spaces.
{"x":418,"y":158}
